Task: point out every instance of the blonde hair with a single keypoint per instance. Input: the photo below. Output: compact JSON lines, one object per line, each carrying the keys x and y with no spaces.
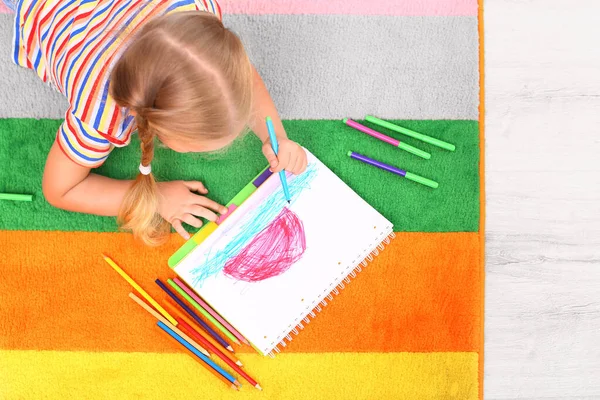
{"x":186,"y":77}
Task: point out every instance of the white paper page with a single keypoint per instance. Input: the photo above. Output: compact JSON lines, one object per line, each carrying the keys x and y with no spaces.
{"x":340,"y":230}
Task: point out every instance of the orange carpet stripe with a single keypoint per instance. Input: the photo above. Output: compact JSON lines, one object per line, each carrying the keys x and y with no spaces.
{"x":421,"y":294}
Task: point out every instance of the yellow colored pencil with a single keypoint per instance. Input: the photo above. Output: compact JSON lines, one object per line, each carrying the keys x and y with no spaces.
{"x":167,"y":323}
{"x":140,"y":290}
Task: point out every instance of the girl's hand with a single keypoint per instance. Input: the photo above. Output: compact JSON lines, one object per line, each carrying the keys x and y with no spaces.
{"x":291,"y":156}
{"x":179,"y":202}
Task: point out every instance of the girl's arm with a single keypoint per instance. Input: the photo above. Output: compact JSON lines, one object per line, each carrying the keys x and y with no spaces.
{"x":292,"y":156}
{"x":72,"y":187}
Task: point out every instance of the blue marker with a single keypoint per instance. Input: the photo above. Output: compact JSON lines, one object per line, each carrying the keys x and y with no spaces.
{"x":282,"y":176}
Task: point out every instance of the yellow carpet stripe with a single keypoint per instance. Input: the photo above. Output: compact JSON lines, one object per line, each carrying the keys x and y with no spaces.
{"x":63,"y":375}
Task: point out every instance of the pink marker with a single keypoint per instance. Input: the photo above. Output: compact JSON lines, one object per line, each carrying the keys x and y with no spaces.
{"x":212,"y":312}
{"x":387,"y":139}
{"x":222,"y":218}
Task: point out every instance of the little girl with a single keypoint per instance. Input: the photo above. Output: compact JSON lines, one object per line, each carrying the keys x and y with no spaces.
{"x":166,"y":68}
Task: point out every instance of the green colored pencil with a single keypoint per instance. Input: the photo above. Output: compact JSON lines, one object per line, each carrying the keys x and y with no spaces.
{"x":16,"y":197}
{"x":202,"y":311}
{"x":411,"y":133}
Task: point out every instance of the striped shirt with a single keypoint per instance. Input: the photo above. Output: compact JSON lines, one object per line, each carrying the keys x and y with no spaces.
{"x":71,"y":45}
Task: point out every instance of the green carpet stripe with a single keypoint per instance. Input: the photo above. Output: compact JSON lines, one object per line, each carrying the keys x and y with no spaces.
{"x":454,"y":206}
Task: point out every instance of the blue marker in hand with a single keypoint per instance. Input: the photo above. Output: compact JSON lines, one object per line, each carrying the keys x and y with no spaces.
{"x":275,"y":146}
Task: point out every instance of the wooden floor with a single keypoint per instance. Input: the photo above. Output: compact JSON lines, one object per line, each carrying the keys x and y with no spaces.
{"x":542,"y":323}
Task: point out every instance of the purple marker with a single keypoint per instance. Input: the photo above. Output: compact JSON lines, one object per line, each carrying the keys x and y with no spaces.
{"x":387,"y":139}
{"x":393,"y":170}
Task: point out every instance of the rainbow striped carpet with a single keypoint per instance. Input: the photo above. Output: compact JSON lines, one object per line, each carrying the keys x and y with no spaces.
{"x":410,"y":326}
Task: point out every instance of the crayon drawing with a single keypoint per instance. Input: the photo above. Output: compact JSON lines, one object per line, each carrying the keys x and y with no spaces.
{"x":265,"y":242}
{"x":271,"y":252}
{"x":269,"y":264}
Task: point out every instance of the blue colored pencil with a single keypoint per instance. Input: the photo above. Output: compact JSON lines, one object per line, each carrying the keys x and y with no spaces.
{"x":201,"y":356}
{"x":275,"y":145}
{"x":199,"y":320}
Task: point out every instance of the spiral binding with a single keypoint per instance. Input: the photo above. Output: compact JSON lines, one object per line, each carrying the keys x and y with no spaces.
{"x":334,"y":292}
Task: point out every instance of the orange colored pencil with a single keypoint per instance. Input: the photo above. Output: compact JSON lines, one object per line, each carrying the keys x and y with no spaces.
{"x":208,"y":341}
{"x":159,"y":317}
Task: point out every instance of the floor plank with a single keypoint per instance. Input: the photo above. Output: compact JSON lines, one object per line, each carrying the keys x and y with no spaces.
{"x":543,"y":200}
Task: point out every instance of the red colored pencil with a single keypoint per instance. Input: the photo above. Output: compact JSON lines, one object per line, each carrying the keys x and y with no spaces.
{"x":190,"y":331}
{"x":194,"y":332}
{"x":206,"y":340}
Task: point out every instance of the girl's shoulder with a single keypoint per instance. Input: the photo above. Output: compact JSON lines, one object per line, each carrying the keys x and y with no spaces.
{"x":212,"y":6}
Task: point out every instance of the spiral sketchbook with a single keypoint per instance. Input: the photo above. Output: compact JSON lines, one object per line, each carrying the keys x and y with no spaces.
{"x":268,"y":266}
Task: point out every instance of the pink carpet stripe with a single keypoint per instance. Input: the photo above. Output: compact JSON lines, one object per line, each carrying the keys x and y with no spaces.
{"x":348,"y":7}
{"x":353,"y":7}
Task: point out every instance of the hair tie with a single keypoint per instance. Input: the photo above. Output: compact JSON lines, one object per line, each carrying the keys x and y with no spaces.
{"x":145,"y":170}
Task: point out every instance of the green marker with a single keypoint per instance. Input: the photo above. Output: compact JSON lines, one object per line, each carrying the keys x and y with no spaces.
{"x":16,"y":197}
{"x":408,"y":132}
{"x":387,"y":139}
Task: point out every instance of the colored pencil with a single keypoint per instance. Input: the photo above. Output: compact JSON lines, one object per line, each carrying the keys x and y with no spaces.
{"x":394,"y":170}
{"x":202,"y":305}
{"x":411,"y":133}
{"x":139,"y":290}
{"x":212,"y":345}
{"x":223,"y":357}
{"x":210,"y":310}
{"x":234,"y":385}
{"x":16,"y":197}
{"x":387,"y":139}
{"x":198,"y":354}
{"x":185,"y":292}
{"x":275,"y":145}
{"x":203,"y":324}
{"x":164,"y":321}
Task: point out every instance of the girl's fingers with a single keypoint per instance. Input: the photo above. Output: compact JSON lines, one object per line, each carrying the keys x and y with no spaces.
{"x":292,"y":163}
{"x":196,"y":186}
{"x":203,"y":212}
{"x":297,"y":167}
{"x":284,"y":160}
{"x":191,"y":220}
{"x":179,"y":229}
{"x":208,"y":203}
{"x":270,"y":155}
{"x":304,"y":163}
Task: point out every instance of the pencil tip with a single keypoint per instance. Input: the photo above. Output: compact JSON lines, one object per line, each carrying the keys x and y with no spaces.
{"x":258,"y":387}
{"x":238,"y":362}
{"x":230,"y":348}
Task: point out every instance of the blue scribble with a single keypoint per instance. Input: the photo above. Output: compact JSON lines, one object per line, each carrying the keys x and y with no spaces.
{"x":252,"y":224}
